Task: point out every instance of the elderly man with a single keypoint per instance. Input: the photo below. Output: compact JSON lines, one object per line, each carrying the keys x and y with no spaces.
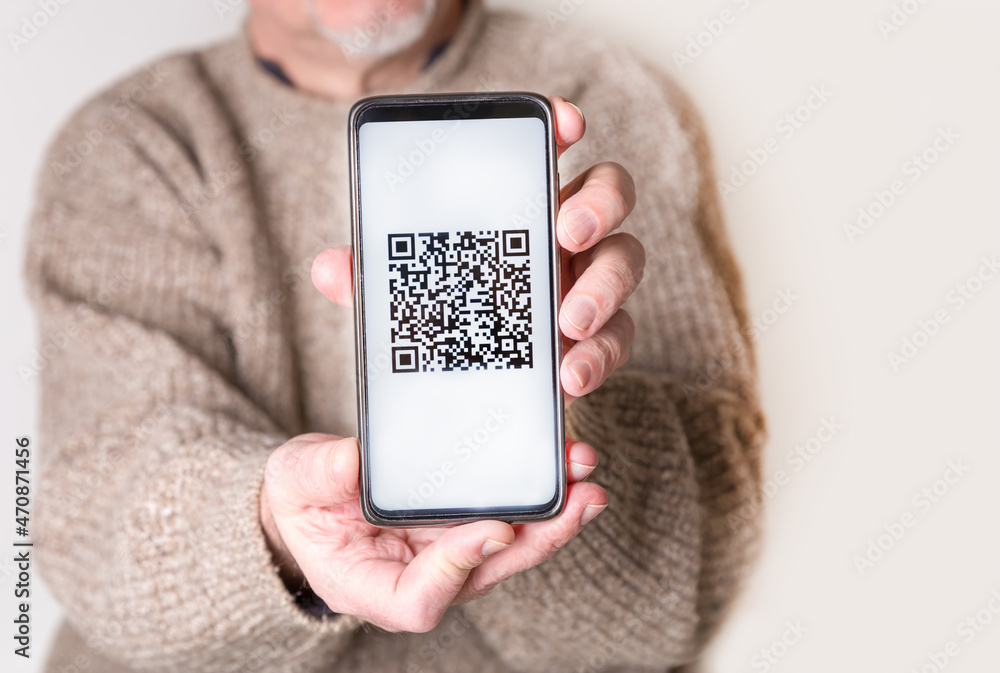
{"x":186,"y":523}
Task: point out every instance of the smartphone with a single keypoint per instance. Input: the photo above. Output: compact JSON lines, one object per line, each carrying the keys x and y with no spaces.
{"x":456,"y":293}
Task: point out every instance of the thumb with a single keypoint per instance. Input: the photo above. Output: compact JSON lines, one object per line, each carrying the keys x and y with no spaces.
{"x":316,"y":473}
{"x":432,"y":580}
{"x":331,"y":274}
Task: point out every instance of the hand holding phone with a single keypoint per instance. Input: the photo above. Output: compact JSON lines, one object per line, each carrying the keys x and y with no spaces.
{"x":400,"y":579}
{"x":310,"y":506}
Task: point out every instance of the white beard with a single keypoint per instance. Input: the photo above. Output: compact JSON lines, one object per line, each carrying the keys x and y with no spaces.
{"x":383,"y":35}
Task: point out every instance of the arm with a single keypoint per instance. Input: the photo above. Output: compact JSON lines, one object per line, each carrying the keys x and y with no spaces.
{"x":678,"y":431}
{"x":153,"y":451}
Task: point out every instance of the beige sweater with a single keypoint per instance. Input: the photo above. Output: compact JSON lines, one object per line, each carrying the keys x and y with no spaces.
{"x":182,"y":341}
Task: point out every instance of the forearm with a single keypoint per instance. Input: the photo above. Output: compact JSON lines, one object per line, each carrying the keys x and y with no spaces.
{"x":149,"y":510}
{"x":156,"y":427}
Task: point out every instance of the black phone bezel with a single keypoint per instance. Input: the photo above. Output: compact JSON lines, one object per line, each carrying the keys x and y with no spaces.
{"x":457,"y":106}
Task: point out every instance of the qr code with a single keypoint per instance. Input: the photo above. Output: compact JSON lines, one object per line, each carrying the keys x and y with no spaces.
{"x":460,"y":301}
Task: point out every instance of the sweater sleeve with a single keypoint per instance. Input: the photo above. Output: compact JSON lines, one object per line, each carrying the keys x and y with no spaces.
{"x":678,"y":430}
{"x":152,"y":448}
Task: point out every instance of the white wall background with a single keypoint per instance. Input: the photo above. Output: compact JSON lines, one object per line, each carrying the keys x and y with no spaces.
{"x":824,"y":357}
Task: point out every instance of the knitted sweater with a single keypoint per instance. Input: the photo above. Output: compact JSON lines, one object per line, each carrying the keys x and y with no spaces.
{"x":182,"y":341}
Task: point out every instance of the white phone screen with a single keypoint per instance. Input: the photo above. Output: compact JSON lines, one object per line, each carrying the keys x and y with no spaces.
{"x":458,"y":317}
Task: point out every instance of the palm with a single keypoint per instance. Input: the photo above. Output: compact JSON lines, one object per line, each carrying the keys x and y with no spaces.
{"x":356,"y":553}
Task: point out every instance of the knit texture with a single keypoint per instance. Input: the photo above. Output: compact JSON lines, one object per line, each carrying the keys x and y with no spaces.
{"x":170,"y":269}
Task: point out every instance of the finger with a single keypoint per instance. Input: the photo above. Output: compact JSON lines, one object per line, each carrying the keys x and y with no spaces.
{"x":570,"y":123}
{"x":432,"y":580}
{"x":316,"y":474}
{"x":606,"y":276}
{"x":594,"y":203}
{"x":331,"y":274}
{"x":590,"y":362}
{"x":537,"y":542}
{"x":581,"y":459}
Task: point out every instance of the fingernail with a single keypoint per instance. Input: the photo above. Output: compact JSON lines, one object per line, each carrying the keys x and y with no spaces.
{"x":574,"y":106}
{"x":580,"y":312}
{"x":580,"y":224}
{"x":581,"y":372}
{"x":580,"y":471}
{"x":492,"y":546}
{"x":591,"y":511}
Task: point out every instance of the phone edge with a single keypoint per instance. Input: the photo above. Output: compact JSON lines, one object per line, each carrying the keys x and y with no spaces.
{"x":555,"y":267}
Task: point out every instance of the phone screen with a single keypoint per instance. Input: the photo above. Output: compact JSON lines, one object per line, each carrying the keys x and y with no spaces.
{"x":462,"y":402}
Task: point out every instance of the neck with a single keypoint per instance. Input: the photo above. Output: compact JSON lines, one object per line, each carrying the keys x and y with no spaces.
{"x":325,"y":69}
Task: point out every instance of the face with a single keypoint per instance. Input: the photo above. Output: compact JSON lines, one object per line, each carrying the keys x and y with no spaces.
{"x":361,"y":28}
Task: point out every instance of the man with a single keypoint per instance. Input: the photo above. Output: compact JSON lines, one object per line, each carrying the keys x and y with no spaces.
{"x":199,"y":506}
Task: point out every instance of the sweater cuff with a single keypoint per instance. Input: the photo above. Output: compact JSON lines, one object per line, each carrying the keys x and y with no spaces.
{"x":312,"y":604}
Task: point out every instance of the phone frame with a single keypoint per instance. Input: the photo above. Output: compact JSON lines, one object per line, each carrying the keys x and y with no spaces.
{"x":467,"y":106}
